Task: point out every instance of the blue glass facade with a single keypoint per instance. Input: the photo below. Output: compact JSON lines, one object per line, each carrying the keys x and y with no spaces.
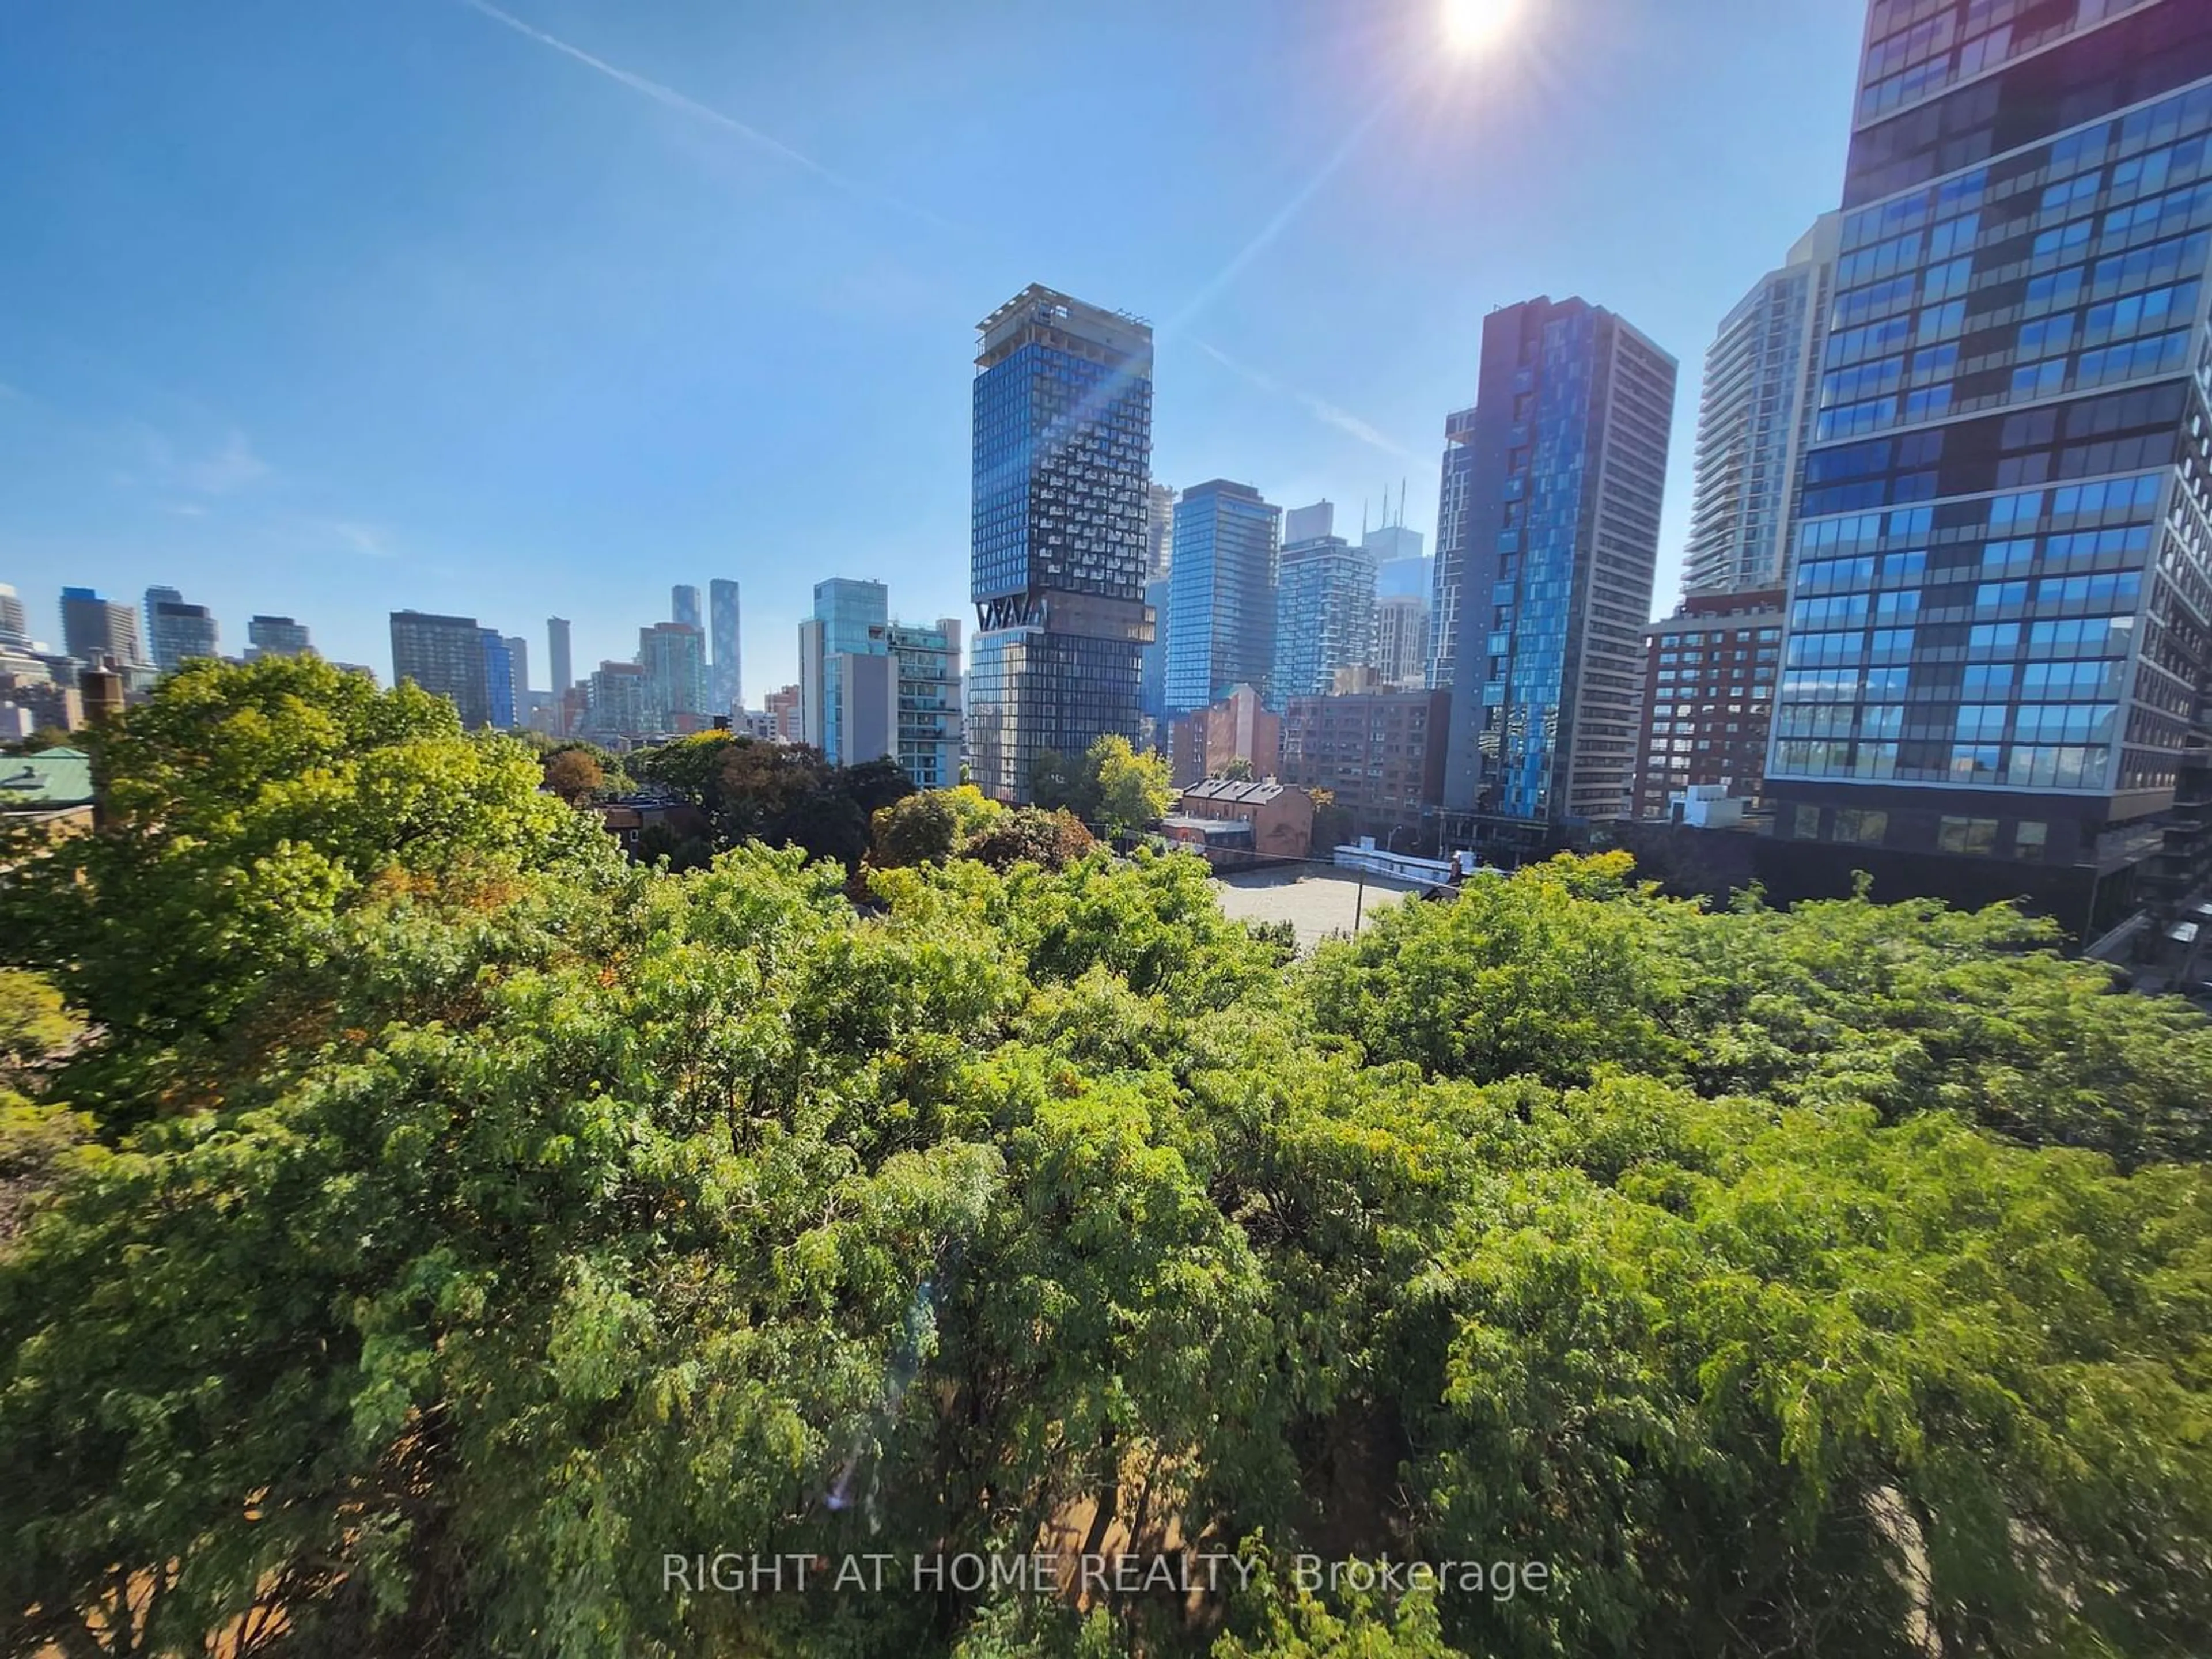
{"x":851,"y":618}
{"x":1999,"y":617}
{"x":1059,"y":543}
{"x":1551,"y":544}
{"x":498,"y":680}
{"x":1221,"y":596}
{"x":1324,"y":617}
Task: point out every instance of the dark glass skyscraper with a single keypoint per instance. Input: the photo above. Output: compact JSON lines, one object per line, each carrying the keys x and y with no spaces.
{"x":1548,"y":536}
{"x":2000,"y":618}
{"x":1063,"y":437}
{"x":1221,"y":593}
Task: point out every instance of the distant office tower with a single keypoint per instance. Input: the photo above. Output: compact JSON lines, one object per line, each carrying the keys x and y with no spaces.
{"x":498,"y":680}
{"x":15,"y":621}
{"x":727,"y":675}
{"x":1310,"y":524}
{"x":674,"y":657}
{"x":1401,"y":562}
{"x":1762,"y":389}
{"x":618,"y":703}
{"x":94,"y":628}
{"x":1152,"y":695}
{"x":683,"y":605}
{"x":1553,"y":547}
{"x":518,"y":653}
{"x":846,"y":681}
{"x":1402,"y":641}
{"x":926,"y":710}
{"x":1221,"y":594}
{"x":1159,"y":529}
{"x":177,"y":631}
{"x":444,"y":655}
{"x":1998,"y":637}
{"x":1063,"y":438}
{"x":1709,"y":676}
{"x":275,"y":636}
{"x":1324,"y":615}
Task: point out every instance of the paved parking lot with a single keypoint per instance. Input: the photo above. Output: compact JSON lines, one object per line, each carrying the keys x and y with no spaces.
{"x":1316,"y":902}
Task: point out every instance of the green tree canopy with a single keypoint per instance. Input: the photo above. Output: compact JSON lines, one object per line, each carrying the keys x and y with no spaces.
{"x":414,"y":1264}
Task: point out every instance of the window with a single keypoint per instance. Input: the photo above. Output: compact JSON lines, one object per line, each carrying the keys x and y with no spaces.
{"x":2029,"y":840}
{"x":1863,"y":827}
{"x":1977,"y":836}
{"x":1806,"y":823}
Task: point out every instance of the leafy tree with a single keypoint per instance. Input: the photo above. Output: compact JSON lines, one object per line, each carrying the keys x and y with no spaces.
{"x":1237,"y":769}
{"x":1131,"y":790}
{"x":471,"y":1219}
{"x":34,"y":1022}
{"x":574,"y":775}
{"x":689,"y":767}
{"x":1063,"y":783}
{"x":922,"y":829}
{"x":1029,"y":835}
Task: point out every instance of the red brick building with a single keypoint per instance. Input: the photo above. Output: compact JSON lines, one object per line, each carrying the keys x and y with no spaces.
{"x":1709,"y":676}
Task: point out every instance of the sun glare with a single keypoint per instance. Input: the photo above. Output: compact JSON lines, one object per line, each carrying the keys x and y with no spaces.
{"x":1471,"y":25}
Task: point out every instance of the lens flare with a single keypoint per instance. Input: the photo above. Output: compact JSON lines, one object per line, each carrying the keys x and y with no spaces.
{"x":1473,"y":24}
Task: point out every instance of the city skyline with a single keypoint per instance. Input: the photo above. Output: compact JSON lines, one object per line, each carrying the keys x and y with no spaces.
{"x":182,"y":449}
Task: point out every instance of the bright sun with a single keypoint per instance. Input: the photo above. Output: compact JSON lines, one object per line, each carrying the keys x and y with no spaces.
{"x":1471,"y":25}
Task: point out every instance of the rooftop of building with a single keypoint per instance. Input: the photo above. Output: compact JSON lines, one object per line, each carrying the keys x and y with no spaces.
{"x":54,"y":777}
{"x":1257,"y":793}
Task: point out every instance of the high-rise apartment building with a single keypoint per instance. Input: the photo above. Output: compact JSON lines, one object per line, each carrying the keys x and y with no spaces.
{"x":1709,"y":676}
{"x":1063,"y":437}
{"x":94,"y":628}
{"x":15,"y":621}
{"x":848,"y":692}
{"x":1159,"y":529}
{"x":518,"y":653}
{"x":1551,"y":509}
{"x":1221,"y":594}
{"x":275,"y":636}
{"x":1755,"y":414}
{"x":674,"y":657}
{"x":177,"y":631}
{"x":445,"y":656}
{"x":618,"y":703}
{"x":683,"y":605}
{"x":1324,"y":614}
{"x":726,"y":674}
{"x":926,"y":661}
{"x":2001,"y":613}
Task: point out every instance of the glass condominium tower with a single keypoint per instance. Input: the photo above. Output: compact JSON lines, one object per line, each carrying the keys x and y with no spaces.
{"x":1755,"y":414}
{"x":1059,"y":549}
{"x":1221,"y":594}
{"x":1547,"y":544}
{"x":2000,"y":609}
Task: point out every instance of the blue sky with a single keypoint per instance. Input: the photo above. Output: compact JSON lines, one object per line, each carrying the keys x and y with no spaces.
{"x":332,"y":309}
